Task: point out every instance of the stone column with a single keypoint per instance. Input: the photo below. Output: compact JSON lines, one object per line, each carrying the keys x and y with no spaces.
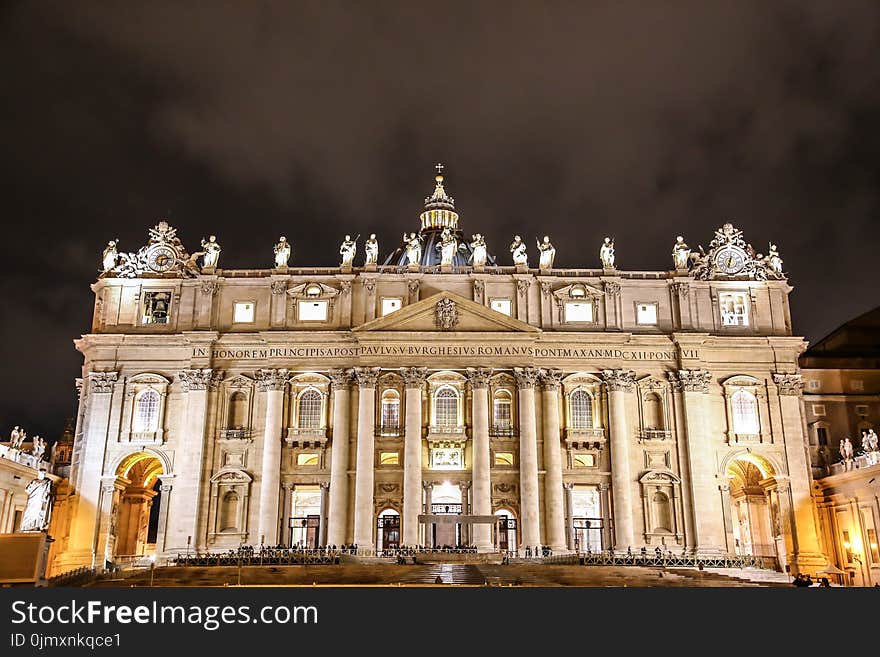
{"x":186,"y":519}
{"x":526,"y":378}
{"x":466,"y":510}
{"x":363,"y":491}
{"x":82,"y":548}
{"x":480,"y":471}
{"x":165,"y":488}
{"x":807,"y":555}
{"x":554,"y":505}
{"x":414,"y":379}
{"x":618,"y":384}
{"x":569,"y":516}
{"x":286,"y":504}
{"x":429,"y":489}
{"x":605,"y":511}
{"x":322,"y":527}
{"x":111,"y":494}
{"x":338,"y":521}
{"x":696,"y":444}
{"x":273,"y":383}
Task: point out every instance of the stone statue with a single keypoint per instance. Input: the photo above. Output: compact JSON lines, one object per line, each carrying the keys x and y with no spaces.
{"x":448,"y":246}
{"x":681,"y":253}
{"x":413,"y":245}
{"x":478,"y":247}
{"x":108,"y":259}
{"x":14,"y":436}
{"x":606,"y":253}
{"x":212,"y":252}
{"x":282,"y":252}
{"x":870,"y":447}
{"x":347,"y":250}
{"x":518,"y":249}
{"x":846,"y":450}
{"x":39,"y":503}
{"x":371,"y":248}
{"x":547,"y":253}
{"x":18,"y":438}
{"x":39,"y":447}
{"x":774,"y":260}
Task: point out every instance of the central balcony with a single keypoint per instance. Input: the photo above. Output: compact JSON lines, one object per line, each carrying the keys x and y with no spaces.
{"x":311,"y":437}
{"x":593,"y":438}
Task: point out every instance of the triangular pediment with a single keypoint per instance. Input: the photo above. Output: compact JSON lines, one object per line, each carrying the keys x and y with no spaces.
{"x":457,"y":314}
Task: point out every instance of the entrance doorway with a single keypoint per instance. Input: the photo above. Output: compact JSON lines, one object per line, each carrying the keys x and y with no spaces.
{"x":136,"y":519}
{"x":388,"y":531}
{"x":445,"y":500}
{"x":586,"y":519}
{"x":505,"y":531}
{"x":754,"y":500}
{"x":305,"y":516}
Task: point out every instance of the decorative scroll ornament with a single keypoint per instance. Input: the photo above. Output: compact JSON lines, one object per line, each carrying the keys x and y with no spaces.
{"x":730,"y":256}
{"x":163,"y":255}
{"x":340,"y":378}
{"x":789,"y":384}
{"x":446,"y":314}
{"x":479,"y":376}
{"x":526,"y":377}
{"x":102,"y":382}
{"x":551,"y":378}
{"x":210,"y":287}
{"x":682,"y":289}
{"x":690,"y":380}
{"x":279,"y":287}
{"x":612,"y":289}
{"x":366,"y":376}
{"x":272,"y":379}
{"x":200,"y":379}
{"x":414,"y":377}
{"x":619,"y":380}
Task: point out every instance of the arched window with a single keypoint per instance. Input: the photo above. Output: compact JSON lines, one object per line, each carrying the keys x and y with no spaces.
{"x":446,"y":407}
{"x":744,"y":408}
{"x":237,"y":415}
{"x":653,"y":407}
{"x":146,"y":412}
{"x":581,"y":410}
{"x":229,"y":512}
{"x":390,"y":409}
{"x":310,"y":409}
{"x":501,"y":410}
{"x":662,"y":513}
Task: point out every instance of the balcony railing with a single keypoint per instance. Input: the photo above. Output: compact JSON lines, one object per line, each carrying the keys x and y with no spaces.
{"x":443,"y":428}
{"x":655,"y":434}
{"x":306,"y":437}
{"x":142,"y":436}
{"x":390,"y":431}
{"x":502,"y":431}
{"x":594,"y":437}
{"x":234,"y":434}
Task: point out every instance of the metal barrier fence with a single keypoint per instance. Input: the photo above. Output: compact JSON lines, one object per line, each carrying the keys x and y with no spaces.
{"x":75,"y":577}
{"x":664,"y":560}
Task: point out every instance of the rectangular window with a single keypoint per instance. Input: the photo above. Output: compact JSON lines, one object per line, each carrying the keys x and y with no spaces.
{"x":646,"y":314}
{"x":578,"y":311}
{"x":243,"y":312}
{"x":390,"y":304}
{"x":389,"y":458}
{"x":307,"y":459}
{"x":502,"y":306}
{"x":873,"y":547}
{"x":862,"y":410}
{"x":819,"y":409}
{"x":734,"y":308}
{"x":156,"y":308}
{"x":822,"y":435}
{"x":312,"y":311}
{"x":584,"y":461}
{"x":503,"y":458}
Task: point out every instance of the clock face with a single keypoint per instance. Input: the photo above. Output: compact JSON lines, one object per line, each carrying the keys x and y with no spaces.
{"x":161,"y":258}
{"x":730,"y":260}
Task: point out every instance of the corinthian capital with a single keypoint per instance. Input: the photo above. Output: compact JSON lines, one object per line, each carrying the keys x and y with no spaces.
{"x":551,"y":378}
{"x":272,"y":379}
{"x":414,"y":377}
{"x":623,"y":380}
{"x":479,"y":376}
{"x":690,"y":380}
{"x":789,"y":384}
{"x":526,"y":377}
{"x":366,"y":376}
{"x":199,"y":379}
{"x":340,"y":378}
{"x":102,"y":382}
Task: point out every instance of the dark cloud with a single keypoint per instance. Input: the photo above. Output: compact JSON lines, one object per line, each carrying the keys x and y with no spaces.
{"x":642,"y":120}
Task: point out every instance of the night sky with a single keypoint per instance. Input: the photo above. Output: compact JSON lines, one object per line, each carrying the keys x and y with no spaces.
{"x":640,"y":120}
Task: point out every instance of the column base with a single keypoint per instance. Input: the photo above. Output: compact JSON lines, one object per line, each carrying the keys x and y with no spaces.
{"x":806,"y":562}
{"x":70,"y":560}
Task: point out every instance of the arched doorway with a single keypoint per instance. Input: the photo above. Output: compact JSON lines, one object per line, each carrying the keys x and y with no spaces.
{"x":388,"y":531}
{"x":446,"y":499}
{"x":756,"y":523}
{"x":505,"y":531}
{"x":137,"y":512}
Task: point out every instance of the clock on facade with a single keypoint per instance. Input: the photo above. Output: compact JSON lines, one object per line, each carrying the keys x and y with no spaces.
{"x":161,"y":258}
{"x":730,"y":260}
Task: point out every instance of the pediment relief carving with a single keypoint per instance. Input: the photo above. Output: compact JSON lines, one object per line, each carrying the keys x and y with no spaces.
{"x":659,"y":477}
{"x":313,"y":290}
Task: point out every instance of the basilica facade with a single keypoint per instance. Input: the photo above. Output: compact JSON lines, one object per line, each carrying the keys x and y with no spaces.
{"x":444,"y":397}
